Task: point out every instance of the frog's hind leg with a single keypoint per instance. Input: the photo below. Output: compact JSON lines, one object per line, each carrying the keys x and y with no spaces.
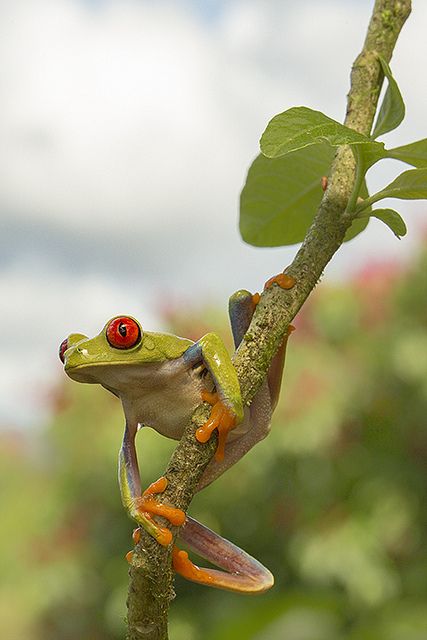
{"x":275,"y":371}
{"x":258,"y":417}
{"x":242,"y":573}
{"x":242,"y":305}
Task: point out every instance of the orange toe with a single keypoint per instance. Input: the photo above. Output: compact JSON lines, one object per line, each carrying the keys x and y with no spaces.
{"x":223,"y":419}
{"x":136,"y":535}
{"x":183,"y":565}
{"x":282,"y":279}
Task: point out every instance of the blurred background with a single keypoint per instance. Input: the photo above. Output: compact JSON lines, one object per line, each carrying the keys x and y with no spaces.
{"x":126,"y":131}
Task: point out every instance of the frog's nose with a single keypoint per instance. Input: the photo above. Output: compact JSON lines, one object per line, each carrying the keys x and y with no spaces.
{"x":62,"y":349}
{"x":72,"y":341}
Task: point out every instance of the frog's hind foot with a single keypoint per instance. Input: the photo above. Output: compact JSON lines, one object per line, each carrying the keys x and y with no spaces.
{"x":147,"y":506}
{"x":240,"y":572}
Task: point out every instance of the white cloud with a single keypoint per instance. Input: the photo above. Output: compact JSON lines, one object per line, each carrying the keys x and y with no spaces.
{"x":108,"y":116}
{"x":139,"y":114}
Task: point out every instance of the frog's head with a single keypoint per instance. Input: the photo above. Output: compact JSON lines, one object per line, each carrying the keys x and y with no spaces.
{"x":121,"y":357}
{"x":121,"y":342}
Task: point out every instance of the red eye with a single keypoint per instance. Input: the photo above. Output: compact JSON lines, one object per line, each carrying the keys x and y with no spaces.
{"x":123,"y":333}
{"x":62,"y":349}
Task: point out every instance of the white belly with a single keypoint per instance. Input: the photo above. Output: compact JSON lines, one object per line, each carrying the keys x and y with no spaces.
{"x":166,"y":400}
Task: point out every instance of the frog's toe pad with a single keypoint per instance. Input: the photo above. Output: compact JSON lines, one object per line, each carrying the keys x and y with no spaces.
{"x":147,"y":505}
{"x":282,"y":279}
{"x":187,"y":569}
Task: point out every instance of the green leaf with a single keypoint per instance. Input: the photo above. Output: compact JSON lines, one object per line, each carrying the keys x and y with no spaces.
{"x":300,"y":127}
{"x":392,"y":109}
{"x":410,"y":185}
{"x":392,"y":219}
{"x":369,"y":154}
{"x":414,"y":153}
{"x":359,"y":224}
{"x":282,"y":195}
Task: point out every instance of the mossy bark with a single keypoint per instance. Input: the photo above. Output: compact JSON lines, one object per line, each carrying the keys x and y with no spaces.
{"x":151,"y":579}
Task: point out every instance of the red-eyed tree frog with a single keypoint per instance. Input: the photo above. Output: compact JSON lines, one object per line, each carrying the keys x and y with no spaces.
{"x":160,"y":380}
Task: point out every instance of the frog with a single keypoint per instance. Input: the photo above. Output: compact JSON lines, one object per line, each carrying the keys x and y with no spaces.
{"x":160,"y":379}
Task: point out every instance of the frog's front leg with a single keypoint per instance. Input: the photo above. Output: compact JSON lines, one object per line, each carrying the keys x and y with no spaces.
{"x":139,"y":506}
{"x":227,"y":408}
{"x":242,"y":305}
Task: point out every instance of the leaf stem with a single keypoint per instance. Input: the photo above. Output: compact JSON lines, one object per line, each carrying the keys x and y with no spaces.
{"x":367,"y":203}
{"x":358,"y":181}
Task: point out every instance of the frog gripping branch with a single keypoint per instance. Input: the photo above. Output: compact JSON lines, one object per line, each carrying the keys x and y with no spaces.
{"x":160,"y":380}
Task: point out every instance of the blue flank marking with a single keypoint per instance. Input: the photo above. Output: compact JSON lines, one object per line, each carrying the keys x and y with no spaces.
{"x":193,"y":354}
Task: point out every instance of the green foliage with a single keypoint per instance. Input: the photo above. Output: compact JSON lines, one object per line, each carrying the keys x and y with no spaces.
{"x":359,"y":223}
{"x":281,"y":194}
{"x":392,"y":219}
{"x":301,"y":127}
{"x":333,"y":501}
{"x":392,"y":110}
{"x":369,"y":154}
{"x":414,"y":153}
{"x":409,"y":185}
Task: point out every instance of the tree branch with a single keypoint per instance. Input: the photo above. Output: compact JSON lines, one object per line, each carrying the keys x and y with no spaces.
{"x":151,"y":579}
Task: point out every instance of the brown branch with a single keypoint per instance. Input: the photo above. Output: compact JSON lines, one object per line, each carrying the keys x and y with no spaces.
{"x":151,"y":580}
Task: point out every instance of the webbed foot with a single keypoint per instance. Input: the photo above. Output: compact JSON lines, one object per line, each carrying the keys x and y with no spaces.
{"x":238,"y":571}
{"x":187,"y":569}
{"x":147,"y":505}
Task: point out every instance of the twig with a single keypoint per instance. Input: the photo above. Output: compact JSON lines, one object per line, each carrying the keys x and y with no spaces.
{"x":151,"y":579}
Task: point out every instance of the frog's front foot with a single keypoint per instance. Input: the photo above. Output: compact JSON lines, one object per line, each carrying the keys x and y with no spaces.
{"x":222,"y":418}
{"x":147,"y":505}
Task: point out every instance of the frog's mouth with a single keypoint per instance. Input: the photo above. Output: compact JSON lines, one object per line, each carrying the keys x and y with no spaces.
{"x":83,"y":371}
{"x":87,"y":371}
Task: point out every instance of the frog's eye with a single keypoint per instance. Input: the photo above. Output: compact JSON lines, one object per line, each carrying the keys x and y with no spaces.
{"x":62,"y":349}
{"x":123,"y":333}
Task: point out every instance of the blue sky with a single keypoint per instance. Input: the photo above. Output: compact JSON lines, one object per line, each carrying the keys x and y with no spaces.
{"x":126,"y":130}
